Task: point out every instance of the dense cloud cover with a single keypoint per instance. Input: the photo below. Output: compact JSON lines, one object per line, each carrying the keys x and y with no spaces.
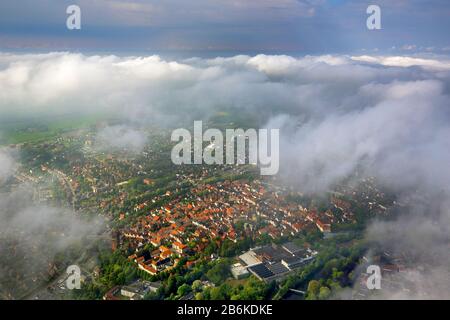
{"x":35,"y":237}
{"x":424,"y":233}
{"x":388,"y":117}
{"x":336,"y":112}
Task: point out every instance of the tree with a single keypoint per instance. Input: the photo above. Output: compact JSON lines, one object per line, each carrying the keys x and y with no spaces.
{"x":252,"y":290}
{"x":211,"y":248}
{"x":221,"y":292}
{"x":324,"y":293}
{"x":183,"y":290}
{"x":219,"y":273}
{"x":171,"y":285}
{"x":197,"y":286}
{"x":336,"y":275}
{"x":313,"y":287}
{"x":199,"y":296}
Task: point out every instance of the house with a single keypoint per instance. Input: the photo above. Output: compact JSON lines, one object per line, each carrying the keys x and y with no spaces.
{"x":148,"y":182}
{"x":324,"y":227}
{"x":291,"y":247}
{"x":112,"y":294}
{"x":163,"y":248}
{"x":147,"y":268}
{"x":165,"y":254}
{"x":179,"y":247}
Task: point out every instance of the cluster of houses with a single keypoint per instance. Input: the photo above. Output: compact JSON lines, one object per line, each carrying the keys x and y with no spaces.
{"x":160,"y":259}
{"x":185,"y":226}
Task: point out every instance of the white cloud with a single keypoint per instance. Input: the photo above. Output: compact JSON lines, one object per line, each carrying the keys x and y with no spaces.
{"x":120,"y":137}
{"x":343,"y":109}
{"x":405,"y":62}
{"x":33,"y":237}
{"x":7,"y":164}
{"x":346,"y":108}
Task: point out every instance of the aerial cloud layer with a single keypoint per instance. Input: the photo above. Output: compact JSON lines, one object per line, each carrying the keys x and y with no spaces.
{"x":336,"y":112}
{"x":388,"y":117}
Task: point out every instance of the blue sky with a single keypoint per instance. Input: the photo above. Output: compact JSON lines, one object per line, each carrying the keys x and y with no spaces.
{"x":282,"y":26}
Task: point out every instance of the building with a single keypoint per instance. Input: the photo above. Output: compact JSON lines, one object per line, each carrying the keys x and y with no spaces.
{"x":112,"y":294}
{"x":324,"y":227}
{"x":239,"y":271}
{"x":154,"y":286}
{"x":137,"y":290}
{"x":292,"y":248}
{"x":273,"y":262}
{"x":295,"y":262}
{"x":250,"y":258}
{"x":180,"y":248}
{"x":147,"y":268}
{"x":261,"y":272}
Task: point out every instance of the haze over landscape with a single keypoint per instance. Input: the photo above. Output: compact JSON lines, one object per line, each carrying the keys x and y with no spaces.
{"x":84,"y":123}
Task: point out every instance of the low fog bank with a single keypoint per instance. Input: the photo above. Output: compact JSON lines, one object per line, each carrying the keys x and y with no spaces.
{"x":36,"y":239}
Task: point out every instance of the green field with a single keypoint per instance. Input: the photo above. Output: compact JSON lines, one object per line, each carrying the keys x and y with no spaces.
{"x":40,"y":129}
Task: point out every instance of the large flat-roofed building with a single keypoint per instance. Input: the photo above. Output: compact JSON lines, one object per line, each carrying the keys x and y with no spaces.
{"x":271,"y":253}
{"x":261,"y":271}
{"x":250,"y":258}
{"x":292,"y":248}
{"x":277,"y":268}
{"x":272,"y":262}
{"x":296,"y":262}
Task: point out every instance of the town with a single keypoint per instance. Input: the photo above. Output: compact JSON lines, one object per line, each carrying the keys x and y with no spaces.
{"x":166,"y":220}
{"x":226,"y":211}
